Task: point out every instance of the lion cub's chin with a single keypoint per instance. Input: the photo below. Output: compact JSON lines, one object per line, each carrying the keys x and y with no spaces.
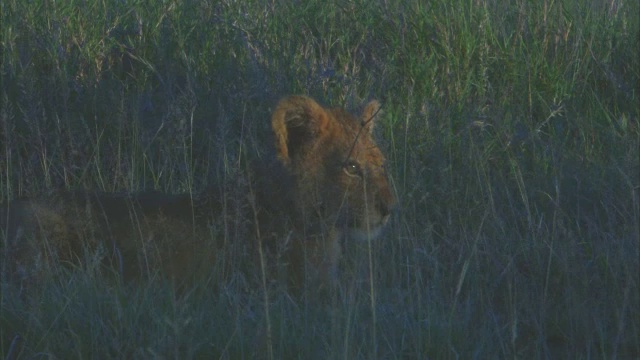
{"x":364,"y":235}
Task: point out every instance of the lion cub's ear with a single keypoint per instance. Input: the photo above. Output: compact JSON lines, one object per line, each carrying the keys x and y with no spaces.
{"x":370,"y":115}
{"x":297,"y":122}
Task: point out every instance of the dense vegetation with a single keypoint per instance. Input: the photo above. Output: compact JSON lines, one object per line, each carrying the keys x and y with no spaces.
{"x":511,"y":128}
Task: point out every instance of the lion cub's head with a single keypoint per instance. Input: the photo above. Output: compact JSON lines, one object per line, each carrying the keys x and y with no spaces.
{"x":340,"y":180}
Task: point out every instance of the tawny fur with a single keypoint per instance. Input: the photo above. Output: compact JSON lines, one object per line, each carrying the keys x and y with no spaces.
{"x":327,"y":185}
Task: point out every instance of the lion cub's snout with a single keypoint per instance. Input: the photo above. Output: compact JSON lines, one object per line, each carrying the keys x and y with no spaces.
{"x":385,"y":204}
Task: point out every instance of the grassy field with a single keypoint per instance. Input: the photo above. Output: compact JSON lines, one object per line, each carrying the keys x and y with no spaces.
{"x":511,"y":129}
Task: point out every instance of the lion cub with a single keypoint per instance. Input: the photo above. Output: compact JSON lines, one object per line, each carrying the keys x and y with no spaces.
{"x":325,"y":184}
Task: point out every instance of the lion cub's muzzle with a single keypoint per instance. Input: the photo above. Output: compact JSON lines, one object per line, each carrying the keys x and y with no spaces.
{"x":385,"y":202}
{"x":384,"y":206}
{"x":378,"y":216}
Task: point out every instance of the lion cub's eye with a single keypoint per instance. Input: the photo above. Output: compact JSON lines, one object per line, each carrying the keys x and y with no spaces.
{"x":352,"y":168}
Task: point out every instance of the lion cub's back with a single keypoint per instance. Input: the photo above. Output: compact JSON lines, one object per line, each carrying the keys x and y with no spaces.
{"x":136,"y":234}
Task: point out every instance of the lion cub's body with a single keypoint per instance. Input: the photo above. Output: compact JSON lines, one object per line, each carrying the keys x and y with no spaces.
{"x":327,"y":184}
{"x":145,"y":233}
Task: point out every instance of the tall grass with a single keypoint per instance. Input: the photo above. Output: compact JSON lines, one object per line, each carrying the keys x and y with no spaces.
{"x":511,"y":130}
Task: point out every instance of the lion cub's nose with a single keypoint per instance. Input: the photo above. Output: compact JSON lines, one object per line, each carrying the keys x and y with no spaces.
{"x":385,"y":204}
{"x":384,"y":209}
